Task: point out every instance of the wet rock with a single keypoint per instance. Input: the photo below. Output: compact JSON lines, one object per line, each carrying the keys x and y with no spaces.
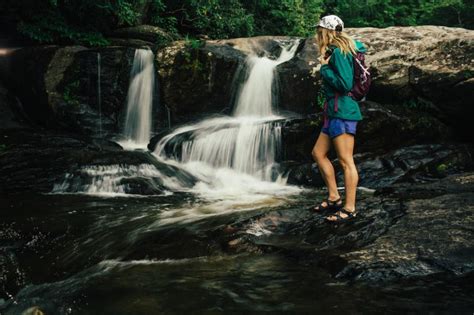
{"x":301,"y":232}
{"x":397,"y":235}
{"x":146,"y":33}
{"x":408,"y":164}
{"x":11,"y":111}
{"x":416,"y":163}
{"x":299,"y":81}
{"x":58,"y":87}
{"x":197,"y":81}
{"x":435,"y":236}
{"x":419,"y":67}
{"x":40,"y":161}
{"x":385,"y":128}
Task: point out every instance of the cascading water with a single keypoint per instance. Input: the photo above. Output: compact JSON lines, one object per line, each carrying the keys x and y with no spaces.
{"x":247,"y":142}
{"x":99,"y":96}
{"x":229,"y":161}
{"x":138,"y":120}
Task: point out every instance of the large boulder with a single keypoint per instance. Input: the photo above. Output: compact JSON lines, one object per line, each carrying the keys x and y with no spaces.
{"x":43,"y":162}
{"x":426,"y":68}
{"x":146,"y":34}
{"x":385,"y":127}
{"x":380,"y":171}
{"x":11,"y":111}
{"x":58,"y":86}
{"x":197,"y":81}
{"x":429,"y":67}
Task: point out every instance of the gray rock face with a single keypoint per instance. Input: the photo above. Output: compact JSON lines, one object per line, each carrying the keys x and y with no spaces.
{"x":434,"y":236}
{"x":58,"y":86}
{"x":425,"y":66}
{"x":414,"y":231}
{"x":147,"y":33}
{"x":197,"y":82}
{"x":11,"y":111}
{"x":428,"y":68}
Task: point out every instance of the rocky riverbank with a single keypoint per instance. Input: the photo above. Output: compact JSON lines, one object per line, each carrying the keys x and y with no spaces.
{"x":414,"y":152}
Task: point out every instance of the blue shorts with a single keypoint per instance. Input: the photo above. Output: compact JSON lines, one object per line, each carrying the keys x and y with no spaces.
{"x":338,"y":126}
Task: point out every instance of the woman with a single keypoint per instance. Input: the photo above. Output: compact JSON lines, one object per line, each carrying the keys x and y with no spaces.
{"x":341,"y":114}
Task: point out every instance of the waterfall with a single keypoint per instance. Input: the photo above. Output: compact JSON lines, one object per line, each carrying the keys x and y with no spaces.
{"x":138,"y":120}
{"x":99,"y":96}
{"x":249,"y":141}
{"x":229,"y":160}
{"x":256,"y":95}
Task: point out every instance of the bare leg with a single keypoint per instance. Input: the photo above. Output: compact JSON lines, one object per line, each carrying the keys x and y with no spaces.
{"x":344,"y":145}
{"x":320,"y":155}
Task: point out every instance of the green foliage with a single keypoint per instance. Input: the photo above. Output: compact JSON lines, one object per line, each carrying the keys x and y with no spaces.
{"x":70,"y":92}
{"x":159,"y":16}
{"x":383,"y":13}
{"x":441,"y":168}
{"x":71,"y":21}
{"x":320,"y":99}
{"x":418,"y":104}
{"x":215,"y":18}
{"x":89,"y":21}
{"x":192,"y":43}
{"x":3,"y":147}
{"x":191,"y":55}
{"x":284,"y":17}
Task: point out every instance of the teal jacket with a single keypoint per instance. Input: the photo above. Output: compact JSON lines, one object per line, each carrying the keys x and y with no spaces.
{"x":338,"y":76}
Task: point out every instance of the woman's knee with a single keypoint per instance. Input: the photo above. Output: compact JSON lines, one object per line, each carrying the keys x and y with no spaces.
{"x":318,"y":155}
{"x":347,"y":163}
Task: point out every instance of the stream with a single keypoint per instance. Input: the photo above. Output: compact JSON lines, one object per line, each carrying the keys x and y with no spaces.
{"x":96,"y":255}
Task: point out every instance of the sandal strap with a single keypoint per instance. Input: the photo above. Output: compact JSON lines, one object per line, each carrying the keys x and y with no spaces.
{"x":321,"y":207}
{"x":333,"y":202}
{"x":350,"y":214}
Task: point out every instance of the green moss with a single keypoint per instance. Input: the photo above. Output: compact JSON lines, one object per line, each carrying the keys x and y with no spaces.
{"x":191,"y":55}
{"x":70,"y":93}
{"x":417,"y":103}
{"x":467,"y":74}
{"x":320,"y":99}
{"x":425,"y":122}
{"x":441,"y":168}
{"x":193,"y":43}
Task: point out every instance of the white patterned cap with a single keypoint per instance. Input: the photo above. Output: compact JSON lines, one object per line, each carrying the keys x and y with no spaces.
{"x":331,"y":22}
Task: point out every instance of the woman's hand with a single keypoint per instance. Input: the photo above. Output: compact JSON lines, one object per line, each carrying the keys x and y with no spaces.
{"x":323,"y":60}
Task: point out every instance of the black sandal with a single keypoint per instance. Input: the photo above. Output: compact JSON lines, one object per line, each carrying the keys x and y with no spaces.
{"x":339,"y":218}
{"x":330,"y":205}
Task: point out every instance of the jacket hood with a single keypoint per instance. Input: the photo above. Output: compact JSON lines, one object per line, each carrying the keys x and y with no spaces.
{"x":360,"y":47}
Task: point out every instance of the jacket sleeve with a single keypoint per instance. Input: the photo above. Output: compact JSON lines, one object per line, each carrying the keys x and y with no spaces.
{"x":339,"y":73}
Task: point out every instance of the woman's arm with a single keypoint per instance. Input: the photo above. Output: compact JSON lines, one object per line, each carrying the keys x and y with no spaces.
{"x":339,"y":73}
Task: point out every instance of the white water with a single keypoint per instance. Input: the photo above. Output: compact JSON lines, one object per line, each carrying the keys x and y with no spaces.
{"x":233,"y":158}
{"x":99,"y":96}
{"x":108,"y":180}
{"x":138,"y":121}
{"x":249,"y":141}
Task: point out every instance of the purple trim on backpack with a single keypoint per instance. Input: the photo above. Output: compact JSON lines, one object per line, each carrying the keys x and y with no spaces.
{"x":362,"y":78}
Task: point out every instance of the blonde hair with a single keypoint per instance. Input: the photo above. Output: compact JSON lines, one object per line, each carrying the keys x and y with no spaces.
{"x":342,"y":40}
